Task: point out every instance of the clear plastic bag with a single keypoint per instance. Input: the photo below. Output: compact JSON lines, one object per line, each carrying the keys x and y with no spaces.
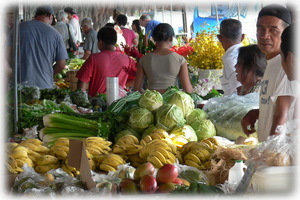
{"x":227,"y":112}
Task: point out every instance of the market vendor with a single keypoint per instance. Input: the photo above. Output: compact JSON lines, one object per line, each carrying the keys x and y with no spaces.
{"x":276,"y":91}
{"x":42,"y":50}
{"x":107,"y":63}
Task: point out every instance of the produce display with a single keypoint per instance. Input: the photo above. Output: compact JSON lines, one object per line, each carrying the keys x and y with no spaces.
{"x":141,"y":144}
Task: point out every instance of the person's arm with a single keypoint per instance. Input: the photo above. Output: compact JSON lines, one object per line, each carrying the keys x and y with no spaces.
{"x":185,"y":79}
{"x":59,"y":66}
{"x":281,"y":110}
{"x":139,"y":80}
{"x":82,"y":85}
{"x":135,"y":42}
{"x":86,"y":54}
{"x":249,"y":120}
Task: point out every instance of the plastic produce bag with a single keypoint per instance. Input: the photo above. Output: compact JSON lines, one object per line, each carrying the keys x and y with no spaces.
{"x":227,"y":112}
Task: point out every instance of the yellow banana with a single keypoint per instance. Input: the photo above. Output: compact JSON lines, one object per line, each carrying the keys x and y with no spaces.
{"x":114,"y":161}
{"x":60,"y":148}
{"x":62,"y":142}
{"x":106,"y":167}
{"x":147,"y":138}
{"x":66,"y":169}
{"x":155,"y":161}
{"x":155,"y":135}
{"x":119,"y":149}
{"x":178,"y":155}
{"x":47,"y":159}
{"x":10,"y":146}
{"x":45,"y":168}
{"x":92,"y":164}
{"x":187,"y":147}
{"x":192,"y":163}
{"x":94,"y":152}
{"x":199,"y":154}
{"x":193,"y":157}
{"x":22,"y":161}
{"x":32,"y":141}
{"x":206,"y":164}
{"x":171,"y":159}
{"x":60,"y":154}
{"x":34,"y":156}
{"x":42,"y":149}
{"x":19,"y":147}
{"x":143,"y":142}
{"x":162,"y":134}
{"x":30,"y":146}
{"x":19,"y":154}
{"x":159,"y":155}
{"x":98,"y":144}
{"x":206,"y":154}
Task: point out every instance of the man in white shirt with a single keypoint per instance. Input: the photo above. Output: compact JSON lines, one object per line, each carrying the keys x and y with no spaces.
{"x":276,"y":91}
{"x":75,"y":23}
{"x":231,"y":38}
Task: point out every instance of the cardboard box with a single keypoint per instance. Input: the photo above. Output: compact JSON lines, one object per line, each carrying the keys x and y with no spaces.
{"x":79,"y":160}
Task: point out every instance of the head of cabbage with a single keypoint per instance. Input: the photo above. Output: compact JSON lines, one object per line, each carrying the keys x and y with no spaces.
{"x":168,"y":116}
{"x":140,"y":118}
{"x":204,"y":129}
{"x":151,"y":100}
{"x":197,"y":114}
{"x":186,"y":131}
{"x":184,"y":101}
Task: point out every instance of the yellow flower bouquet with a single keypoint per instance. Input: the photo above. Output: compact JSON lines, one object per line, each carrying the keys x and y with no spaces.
{"x":207,"y":53}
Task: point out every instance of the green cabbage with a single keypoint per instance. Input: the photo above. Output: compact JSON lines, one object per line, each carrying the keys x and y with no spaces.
{"x":151,"y":100}
{"x":140,"y":118}
{"x":196,"y":115}
{"x":168,"y":116}
{"x":204,"y":129}
{"x":184,"y":101}
{"x":186,"y":131}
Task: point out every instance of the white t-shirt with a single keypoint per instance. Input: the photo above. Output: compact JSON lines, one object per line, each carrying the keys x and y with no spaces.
{"x":274,"y":84}
{"x":228,"y":79}
{"x":77,"y":31}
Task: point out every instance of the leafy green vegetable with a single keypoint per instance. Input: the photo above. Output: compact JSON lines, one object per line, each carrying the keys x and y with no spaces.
{"x":204,"y":129}
{"x":151,"y":100}
{"x":186,"y":131}
{"x":196,"y":115}
{"x":80,"y":98}
{"x":140,"y":118}
{"x":213,"y":93}
{"x":168,"y":116}
{"x":184,"y":101}
{"x":196,"y":188}
{"x":169,"y":93}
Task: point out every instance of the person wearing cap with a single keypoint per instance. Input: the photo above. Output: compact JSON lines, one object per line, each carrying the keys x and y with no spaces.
{"x":90,"y":45}
{"x":276,"y":92}
{"x":42,"y":50}
{"x":75,"y":23}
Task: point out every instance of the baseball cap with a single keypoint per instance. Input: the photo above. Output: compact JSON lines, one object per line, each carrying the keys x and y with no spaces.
{"x":276,"y":10}
{"x":69,"y":10}
{"x":41,"y":10}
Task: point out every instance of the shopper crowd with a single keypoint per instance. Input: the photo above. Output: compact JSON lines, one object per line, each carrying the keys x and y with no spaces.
{"x":267,"y":67}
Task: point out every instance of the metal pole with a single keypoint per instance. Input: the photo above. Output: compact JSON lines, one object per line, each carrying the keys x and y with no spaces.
{"x":15,"y":61}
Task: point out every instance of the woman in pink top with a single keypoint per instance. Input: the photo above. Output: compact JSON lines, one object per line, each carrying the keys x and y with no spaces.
{"x":128,"y":34}
{"x":107,"y":63}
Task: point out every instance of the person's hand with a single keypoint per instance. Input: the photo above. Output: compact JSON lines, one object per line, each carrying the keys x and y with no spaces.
{"x":249,"y":120}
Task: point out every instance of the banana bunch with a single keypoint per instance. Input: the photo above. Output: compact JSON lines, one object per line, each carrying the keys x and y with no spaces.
{"x":197,"y":154}
{"x":97,"y":146}
{"x":211,"y":142}
{"x":69,"y":169}
{"x":158,"y":152}
{"x":17,"y":157}
{"x":45,"y":163}
{"x":111,"y":162}
{"x":199,"y":158}
{"x":158,"y":134}
{"x":60,"y":148}
{"x":127,"y":145}
{"x":194,"y":145}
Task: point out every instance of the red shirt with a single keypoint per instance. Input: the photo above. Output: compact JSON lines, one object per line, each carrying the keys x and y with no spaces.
{"x":129,"y":36}
{"x":105,"y":64}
